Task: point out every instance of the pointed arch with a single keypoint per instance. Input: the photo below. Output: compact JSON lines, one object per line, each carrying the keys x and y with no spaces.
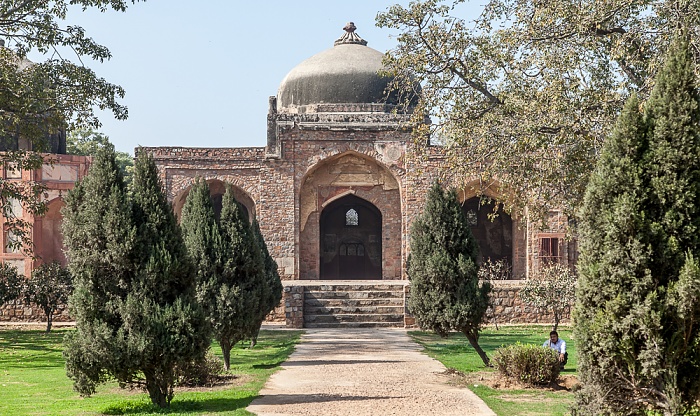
{"x":351,"y":245}
{"x":343,"y":177}
{"x":217,"y":189}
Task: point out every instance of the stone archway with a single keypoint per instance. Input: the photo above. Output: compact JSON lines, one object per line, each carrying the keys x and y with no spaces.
{"x":350,"y":239}
{"x":492,"y":228}
{"x":217,"y":189}
{"x":375,"y":189}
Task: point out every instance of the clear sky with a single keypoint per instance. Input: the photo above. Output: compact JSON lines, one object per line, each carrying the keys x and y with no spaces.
{"x":200,"y":73}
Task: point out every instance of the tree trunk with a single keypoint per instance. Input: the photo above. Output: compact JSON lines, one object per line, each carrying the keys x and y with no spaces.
{"x":254,"y":340}
{"x":49,"y":320}
{"x":157,"y":392}
{"x":226,"y":351}
{"x":474,"y":342}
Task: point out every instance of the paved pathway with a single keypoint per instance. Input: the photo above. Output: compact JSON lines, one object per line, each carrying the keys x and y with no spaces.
{"x":363,"y":372}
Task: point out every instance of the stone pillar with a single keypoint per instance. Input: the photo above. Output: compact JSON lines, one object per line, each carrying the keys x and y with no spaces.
{"x":272,"y":150}
{"x":293,"y":297}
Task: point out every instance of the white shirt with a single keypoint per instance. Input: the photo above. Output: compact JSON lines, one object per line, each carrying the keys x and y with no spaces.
{"x":560,"y":345}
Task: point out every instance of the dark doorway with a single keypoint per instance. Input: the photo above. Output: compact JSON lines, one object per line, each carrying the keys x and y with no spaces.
{"x":494,"y":235}
{"x":351,"y":240}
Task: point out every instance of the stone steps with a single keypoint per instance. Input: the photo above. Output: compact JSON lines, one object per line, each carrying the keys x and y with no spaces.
{"x":360,"y":305}
{"x":343,"y":309}
{"x":340,"y":302}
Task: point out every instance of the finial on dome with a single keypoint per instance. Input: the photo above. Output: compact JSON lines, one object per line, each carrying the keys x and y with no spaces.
{"x":350,"y":37}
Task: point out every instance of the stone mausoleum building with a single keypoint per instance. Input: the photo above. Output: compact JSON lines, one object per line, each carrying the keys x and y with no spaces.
{"x":336,"y":188}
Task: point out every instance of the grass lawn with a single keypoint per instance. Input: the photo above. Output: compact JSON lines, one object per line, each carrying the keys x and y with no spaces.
{"x":455,"y":352}
{"x":33,"y":379}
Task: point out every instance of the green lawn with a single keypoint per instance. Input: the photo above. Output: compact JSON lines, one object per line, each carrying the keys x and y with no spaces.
{"x":33,"y":379}
{"x":455,"y":352}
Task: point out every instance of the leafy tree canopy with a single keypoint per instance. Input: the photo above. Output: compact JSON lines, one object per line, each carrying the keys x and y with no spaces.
{"x":526,"y":93}
{"x":49,"y":288}
{"x":10,"y":283}
{"x":86,"y":142}
{"x":38,"y":100}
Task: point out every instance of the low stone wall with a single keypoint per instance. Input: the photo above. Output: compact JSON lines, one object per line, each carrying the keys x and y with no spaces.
{"x":18,"y":311}
{"x":508,"y":308}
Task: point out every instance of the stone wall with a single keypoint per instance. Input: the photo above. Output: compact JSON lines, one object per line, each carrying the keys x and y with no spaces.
{"x":508,"y":308}
{"x":17,"y":311}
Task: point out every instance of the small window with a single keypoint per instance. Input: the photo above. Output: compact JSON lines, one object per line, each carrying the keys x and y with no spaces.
{"x":351,"y":218}
{"x":14,"y":208}
{"x":12,"y":171}
{"x":11,"y":242}
{"x":549,"y":250}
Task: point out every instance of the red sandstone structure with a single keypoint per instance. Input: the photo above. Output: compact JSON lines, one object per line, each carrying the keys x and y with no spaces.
{"x":335,"y":191}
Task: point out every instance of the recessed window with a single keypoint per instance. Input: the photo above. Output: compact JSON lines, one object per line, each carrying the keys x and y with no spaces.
{"x":549,"y":250}
{"x":12,"y":171}
{"x":12,"y":244}
{"x":351,"y":217}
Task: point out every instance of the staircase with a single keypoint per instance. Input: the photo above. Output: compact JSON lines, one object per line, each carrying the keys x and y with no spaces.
{"x":354,"y":304}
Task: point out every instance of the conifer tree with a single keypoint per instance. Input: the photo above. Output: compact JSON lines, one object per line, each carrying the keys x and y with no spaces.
{"x":445,"y":291}
{"x":136,"y":314}
{"x":272,"y":288}
{"x":99,"y":236}
{"x":164,"y":326}
{"x":240,"y":297}
{"x":638,"y":301}
{"x":203,"y":241}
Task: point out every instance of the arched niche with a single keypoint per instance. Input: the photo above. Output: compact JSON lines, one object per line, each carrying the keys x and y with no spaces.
{"x":492,"y":228}
{"x":350,"y":240}
{"x":334,"y":178}
{"x":217,"y":189}
{"x":49,"y":247}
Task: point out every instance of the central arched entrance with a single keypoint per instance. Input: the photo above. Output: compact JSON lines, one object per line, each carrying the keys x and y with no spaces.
{"x":351,"y":243}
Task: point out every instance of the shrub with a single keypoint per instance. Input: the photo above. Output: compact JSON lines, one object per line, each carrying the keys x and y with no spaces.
{"x":495,"y":270}
{"x":531,"y":364}
{"x":203,"y":371}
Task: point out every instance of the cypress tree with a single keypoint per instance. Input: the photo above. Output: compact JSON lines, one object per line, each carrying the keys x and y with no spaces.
{"x":639,"y":287}
{"x":445,"y":291}
{"x":99,"y":235}
{"x":272,"y":288}
{"x":134,"y":299}
{"x":164,"y":326}
{"x":204,"y":243}
{"x":240,"y":297}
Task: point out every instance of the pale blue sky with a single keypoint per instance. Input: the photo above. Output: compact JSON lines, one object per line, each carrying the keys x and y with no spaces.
{"x":200,"y":73}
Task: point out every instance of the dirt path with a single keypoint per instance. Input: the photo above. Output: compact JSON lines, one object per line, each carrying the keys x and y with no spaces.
{"x":358,"y":372}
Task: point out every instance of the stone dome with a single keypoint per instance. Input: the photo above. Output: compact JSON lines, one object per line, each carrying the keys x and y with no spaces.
{"x":348,"y":73}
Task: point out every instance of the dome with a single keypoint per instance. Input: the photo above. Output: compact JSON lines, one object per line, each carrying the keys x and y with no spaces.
{"x":348,"y":73}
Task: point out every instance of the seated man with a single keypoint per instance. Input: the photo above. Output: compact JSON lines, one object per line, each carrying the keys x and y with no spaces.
{"x":559,"y":346}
